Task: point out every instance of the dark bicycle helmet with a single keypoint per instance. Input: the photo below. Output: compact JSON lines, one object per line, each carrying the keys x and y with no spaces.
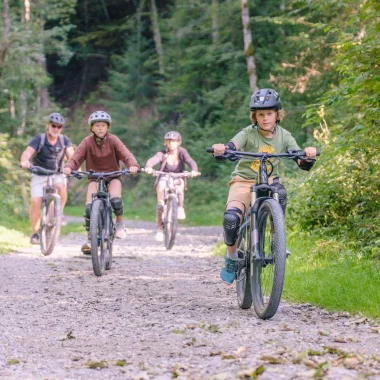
{"x":99,"y":116}
{"x":56,"y":117}
{"x":265,"y":99}
{"x":173,"y":135}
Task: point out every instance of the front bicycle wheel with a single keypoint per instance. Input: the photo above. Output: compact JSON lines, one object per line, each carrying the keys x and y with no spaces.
{"x":109,"y":245}
{"x":97,"y":233}
{"x":269,"y":268}
{"x":50,"y":224}
{"x":243,"y":274}
{"x":170,"y":221}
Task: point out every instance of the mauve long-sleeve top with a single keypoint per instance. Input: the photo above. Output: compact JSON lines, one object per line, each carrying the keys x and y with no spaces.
{"x":102,"y":158}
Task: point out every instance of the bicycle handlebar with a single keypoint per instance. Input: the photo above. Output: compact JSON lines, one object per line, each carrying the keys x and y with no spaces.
{"x":156,"y":173}
{"x":94,"y":174}
{"x":292,"y":153}
{"x":38,"y":170}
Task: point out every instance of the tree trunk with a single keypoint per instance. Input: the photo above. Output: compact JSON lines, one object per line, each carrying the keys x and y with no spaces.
{"x":5,"y":39}
{"x":43,"y":93}
{"x":85,"y":68}
{"x":215,"y":22}
{"x":248,"y":46}
{"x":23,"y":106}
{"x":157,"y":36}
{"x":27,"y":11}
{"x":12,"y":109}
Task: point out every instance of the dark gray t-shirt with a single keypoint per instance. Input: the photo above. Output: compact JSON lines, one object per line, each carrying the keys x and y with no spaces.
{"x":51,"y":156}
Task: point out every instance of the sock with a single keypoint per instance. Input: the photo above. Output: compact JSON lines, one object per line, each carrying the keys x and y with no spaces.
{"x":233,"y":256}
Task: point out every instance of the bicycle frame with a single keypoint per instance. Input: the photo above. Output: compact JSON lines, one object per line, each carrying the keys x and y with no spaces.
{"x":103,"y":194}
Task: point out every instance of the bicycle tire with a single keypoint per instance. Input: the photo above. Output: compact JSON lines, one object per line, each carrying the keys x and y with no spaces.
{"x":110,"y":245}
{"x":269,"y":271}
{"x":243,"y":274}
{"x":50,"y":224}
{"x":170,"y":221}
{"x":97,"y":232}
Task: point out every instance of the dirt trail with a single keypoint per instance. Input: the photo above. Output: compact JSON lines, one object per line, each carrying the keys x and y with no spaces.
{"x":162,"y":315}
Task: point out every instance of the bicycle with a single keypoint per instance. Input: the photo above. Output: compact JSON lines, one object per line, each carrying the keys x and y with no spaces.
{"x":102,"y":227}
{"x":170,"y":219}
{"x":261,"y":239}
{"x":51,"y":214}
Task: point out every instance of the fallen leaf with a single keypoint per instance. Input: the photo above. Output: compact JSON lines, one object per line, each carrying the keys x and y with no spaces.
{"x":96,"y":365}
{"x":228,"y":356}
{"x":241,"y":352}
{"x":340,"y":339}
{"x":350,"y":363}
{"x":310,"y":363}
{"x":272,"y":359}
{"x":252,"y":373}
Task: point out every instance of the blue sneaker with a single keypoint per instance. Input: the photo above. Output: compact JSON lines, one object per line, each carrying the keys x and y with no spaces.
{"x":228,"y":272}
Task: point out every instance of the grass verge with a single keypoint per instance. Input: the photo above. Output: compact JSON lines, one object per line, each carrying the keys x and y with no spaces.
{"x":12,"y":239}
{"x":319,"y":271}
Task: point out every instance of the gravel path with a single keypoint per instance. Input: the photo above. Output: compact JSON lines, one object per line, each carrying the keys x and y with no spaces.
{"x":160,"y":315}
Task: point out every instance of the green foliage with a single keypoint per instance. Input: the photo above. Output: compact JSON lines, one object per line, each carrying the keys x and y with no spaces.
{"x":342,"y":195}
{"x":13,"y":189}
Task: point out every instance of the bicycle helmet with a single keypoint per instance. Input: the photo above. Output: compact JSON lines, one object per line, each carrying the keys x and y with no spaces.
{"x":56,"y":117}
{"x":99,"y":116}
{"x":173,"y":135}
{"x":265,"y":99}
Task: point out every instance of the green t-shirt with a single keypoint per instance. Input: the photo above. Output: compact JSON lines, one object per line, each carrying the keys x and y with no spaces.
{"x":250,"y":139}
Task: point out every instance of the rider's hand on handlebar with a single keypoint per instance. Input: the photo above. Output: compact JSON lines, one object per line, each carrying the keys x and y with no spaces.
{"x":148,"y":170}
{"x":219,"y":149}
{"x":66,"y":171}
{"x":25,"y":164}
{"x":310,"y":152}
{"x":133,"y":169}
{"x":194,"y":173}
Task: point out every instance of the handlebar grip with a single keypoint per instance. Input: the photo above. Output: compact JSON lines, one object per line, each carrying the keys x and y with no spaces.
{"x":210,"y":150}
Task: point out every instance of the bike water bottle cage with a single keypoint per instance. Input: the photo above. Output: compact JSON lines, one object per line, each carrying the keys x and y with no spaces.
{"x":231,"y":225}
{"x":117,"y":206}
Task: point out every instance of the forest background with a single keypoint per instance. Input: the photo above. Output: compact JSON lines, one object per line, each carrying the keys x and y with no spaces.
{"x":191,"y":66}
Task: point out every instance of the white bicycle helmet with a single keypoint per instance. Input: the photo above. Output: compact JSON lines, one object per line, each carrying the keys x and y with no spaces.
{"x":173,"y":135}
{"x":56,"y":117}
{"x":99,"y":116}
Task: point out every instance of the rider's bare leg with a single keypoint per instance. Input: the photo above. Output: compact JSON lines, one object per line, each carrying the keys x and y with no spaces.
{"x":231,"y":250}
{"x":62,"y":191}
{"x":35,"y":214}
{"x":180,"y":187}
{"x":161,"y":185}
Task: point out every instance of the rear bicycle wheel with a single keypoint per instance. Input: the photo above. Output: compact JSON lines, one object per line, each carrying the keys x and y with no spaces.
{"x":51,"y":224}
{"x":269,"y":269}
{"x":170,"y":221}
{"x":243,"y":274}
{"x":97,"y":233}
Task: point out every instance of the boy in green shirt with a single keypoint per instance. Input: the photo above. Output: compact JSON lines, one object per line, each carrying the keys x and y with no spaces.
{"x":264,"y":135}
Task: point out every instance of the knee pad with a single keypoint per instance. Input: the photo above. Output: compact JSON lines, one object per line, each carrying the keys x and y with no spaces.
{"x":231,"y":224}
{"x":87,"y":215}
{"x":117,"y":206}
{"x":160,"y":207}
